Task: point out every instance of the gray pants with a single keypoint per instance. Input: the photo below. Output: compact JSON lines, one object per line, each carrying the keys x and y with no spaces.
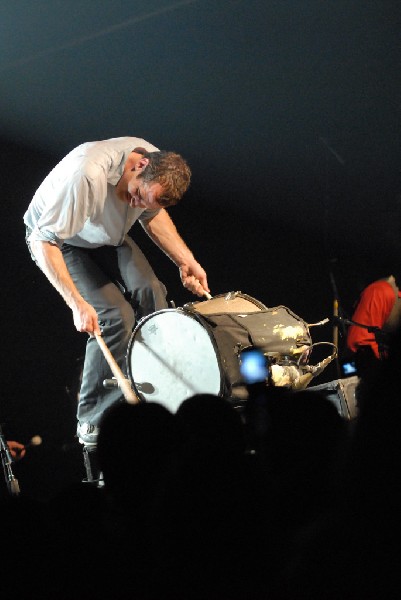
{"x":122,"y":287}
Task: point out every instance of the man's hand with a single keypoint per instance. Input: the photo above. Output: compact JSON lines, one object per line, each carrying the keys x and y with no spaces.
{"x":17,"y":450}
{"x":52,"y":263}
{"x":85,"y":318}
{"x":163,"y":232}
{"x":193,"y":278}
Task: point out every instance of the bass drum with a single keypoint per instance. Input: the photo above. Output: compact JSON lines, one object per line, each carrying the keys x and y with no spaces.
{"x":172,"y":356}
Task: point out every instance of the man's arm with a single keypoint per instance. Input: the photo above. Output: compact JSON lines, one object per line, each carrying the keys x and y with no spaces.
{"x":163,"y":232}
{"x":51,"y":261}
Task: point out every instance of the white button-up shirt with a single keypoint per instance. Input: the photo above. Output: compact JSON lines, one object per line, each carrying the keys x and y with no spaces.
{"x":77,"y":203}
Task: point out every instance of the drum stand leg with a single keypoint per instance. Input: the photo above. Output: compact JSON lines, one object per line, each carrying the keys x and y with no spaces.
{"x":93,"y":474}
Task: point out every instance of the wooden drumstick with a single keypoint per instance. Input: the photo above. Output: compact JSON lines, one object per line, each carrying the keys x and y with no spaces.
{"x":123,"y":383}
{"x":207,"y":295}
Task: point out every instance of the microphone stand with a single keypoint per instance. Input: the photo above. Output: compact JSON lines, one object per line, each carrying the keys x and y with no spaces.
{"x":378,"y":333}
{"x":337,"y":319}
{"x":336,"y":304}
{"x":6,"y":459}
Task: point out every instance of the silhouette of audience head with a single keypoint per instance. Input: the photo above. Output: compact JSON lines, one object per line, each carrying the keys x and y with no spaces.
{"x":134,"y":445}
{"x":211,"y":423}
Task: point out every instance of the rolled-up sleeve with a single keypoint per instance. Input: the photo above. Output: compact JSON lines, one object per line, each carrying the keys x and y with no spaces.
{"x":148,"y":215}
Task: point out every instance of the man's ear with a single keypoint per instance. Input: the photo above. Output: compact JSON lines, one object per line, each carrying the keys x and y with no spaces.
{"x":141,"y":164}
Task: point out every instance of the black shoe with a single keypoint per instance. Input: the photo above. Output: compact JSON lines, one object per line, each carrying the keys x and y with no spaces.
{"x":87,"y":434}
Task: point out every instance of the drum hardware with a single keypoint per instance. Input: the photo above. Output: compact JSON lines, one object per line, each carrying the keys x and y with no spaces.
{"x":146,"y":388}
{"x":110,"y":383}
{"x":323,"y":322}
{"x":311,"y":371}
{"x":320,"y":366}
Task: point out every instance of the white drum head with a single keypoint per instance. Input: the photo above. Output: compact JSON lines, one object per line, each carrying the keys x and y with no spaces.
{"x":233,"y":302}
{"x":171,"y":357}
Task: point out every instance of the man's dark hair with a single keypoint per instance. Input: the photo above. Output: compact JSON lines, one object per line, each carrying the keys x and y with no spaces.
{"x":168,"y":169}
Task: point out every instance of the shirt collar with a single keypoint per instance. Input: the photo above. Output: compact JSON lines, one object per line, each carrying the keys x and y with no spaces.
{"x":117,"y":170}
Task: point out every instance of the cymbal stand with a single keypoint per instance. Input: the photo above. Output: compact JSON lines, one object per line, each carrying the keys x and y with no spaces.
{"x":6,"y":459}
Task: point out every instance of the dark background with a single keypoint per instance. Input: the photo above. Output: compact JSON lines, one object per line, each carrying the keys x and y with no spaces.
{"x":288,"y":113}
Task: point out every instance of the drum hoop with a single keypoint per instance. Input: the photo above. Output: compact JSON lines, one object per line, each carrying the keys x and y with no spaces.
{"x":190,"y":306}
{"x":191,"y":315}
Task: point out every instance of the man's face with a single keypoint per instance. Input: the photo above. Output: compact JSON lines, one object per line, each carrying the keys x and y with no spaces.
{"x":143,"y":194}
{"x":133,"y":190}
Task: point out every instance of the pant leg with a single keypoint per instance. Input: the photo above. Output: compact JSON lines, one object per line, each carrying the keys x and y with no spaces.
{"x":116,"y":319}
{"x":147,"y":292}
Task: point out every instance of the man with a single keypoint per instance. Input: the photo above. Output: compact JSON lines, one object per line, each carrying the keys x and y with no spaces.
{"x":379,"y":309}
{"x":77,"y":225}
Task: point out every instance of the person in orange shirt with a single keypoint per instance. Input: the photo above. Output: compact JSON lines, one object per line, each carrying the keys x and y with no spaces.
{"x":377,"y":316}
